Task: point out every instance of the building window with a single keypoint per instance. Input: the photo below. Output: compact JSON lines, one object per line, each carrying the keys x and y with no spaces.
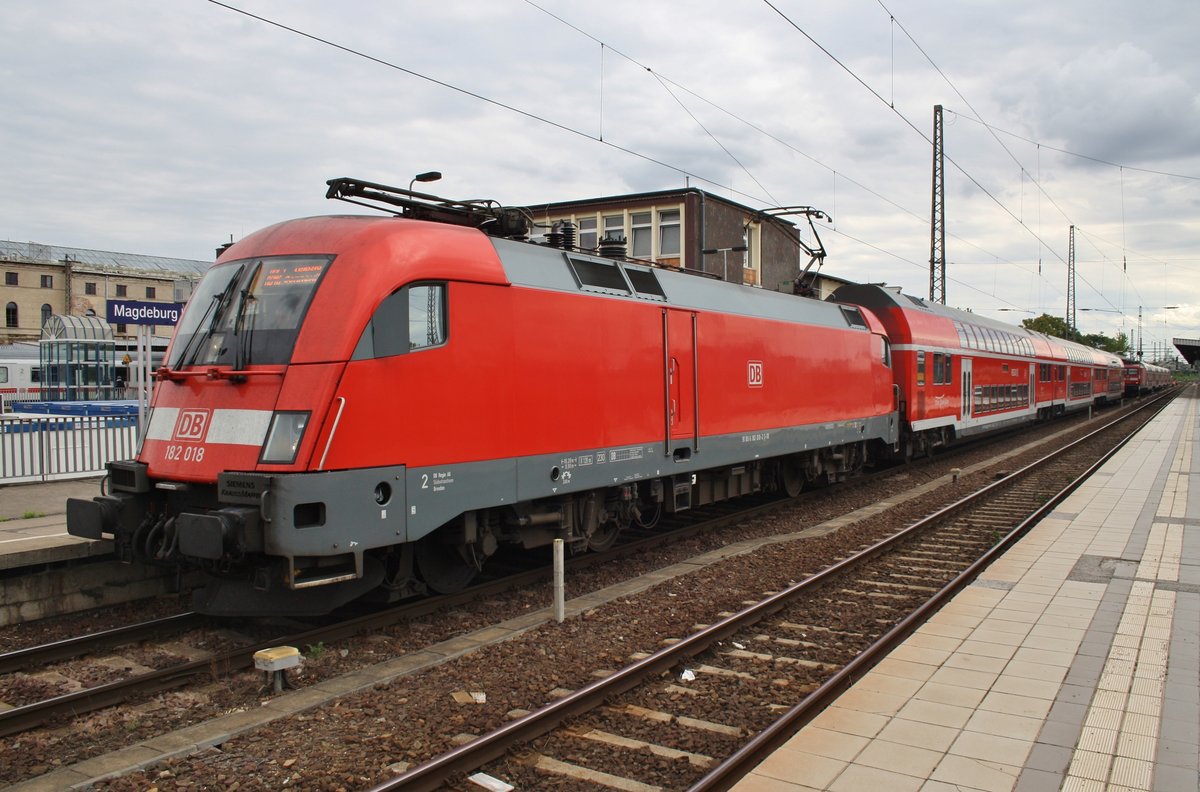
{"x":47,"y":281}
{"x":47,"y":312}
{"x":640,"y":225}
{"x":668,"y":233}
{"x":122,"y":329}
{"x":10,"y":315}
{"x":752,"y":260}
{"x":587,"y":233}
{"x":89,"y":287}
{"x":10,"y":279}
{"x":122,"y":290}
{"x":150,"y":292}
{"x":614,"y":227}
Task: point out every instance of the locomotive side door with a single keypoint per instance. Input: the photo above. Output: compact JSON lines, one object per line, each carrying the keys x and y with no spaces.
{"x":681,"y":381}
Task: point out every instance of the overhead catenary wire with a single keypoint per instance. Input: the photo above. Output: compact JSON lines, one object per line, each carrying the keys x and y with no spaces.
{"x":759,"y":129}
{"x":494,"y":102}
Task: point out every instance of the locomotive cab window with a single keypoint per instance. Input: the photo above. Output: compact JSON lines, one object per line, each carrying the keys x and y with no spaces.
{"x":247,"y":312}
{"x":410,"y":319}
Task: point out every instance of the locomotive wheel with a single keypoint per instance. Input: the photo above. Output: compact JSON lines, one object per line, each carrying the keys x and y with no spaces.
{"x":604,"y":537}
{"x":792,"y":477}
{"x":442,"y":567}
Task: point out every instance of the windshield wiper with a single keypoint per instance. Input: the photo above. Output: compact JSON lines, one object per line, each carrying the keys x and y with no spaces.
{"x":241,"y":355}
{"x":217,"y":308}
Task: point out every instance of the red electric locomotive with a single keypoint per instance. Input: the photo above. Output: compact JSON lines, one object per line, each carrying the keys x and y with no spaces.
{"x":960,"y":374}
{"x":1142,"y":378}
{"x":374,"y":404}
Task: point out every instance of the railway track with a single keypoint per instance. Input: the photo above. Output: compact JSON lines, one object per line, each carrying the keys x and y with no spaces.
{"x":702,"y":710}
{"x":30,"y":714}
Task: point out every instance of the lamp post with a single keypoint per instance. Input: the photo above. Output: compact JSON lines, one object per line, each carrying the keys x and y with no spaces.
{"x":726,"y":251}
{"x":427,"y":176}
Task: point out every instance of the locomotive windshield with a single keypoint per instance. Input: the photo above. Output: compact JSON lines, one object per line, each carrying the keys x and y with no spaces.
{"x":247,"y":312}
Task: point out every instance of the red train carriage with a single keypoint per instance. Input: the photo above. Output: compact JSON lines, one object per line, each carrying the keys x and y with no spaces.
{"x":960,"y":374}
{"x":360,"y":403}
{"x":1142,"y":378}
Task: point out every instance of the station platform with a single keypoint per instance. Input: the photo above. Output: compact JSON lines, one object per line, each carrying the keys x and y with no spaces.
{"x":33,"y":523}
{"x":72,"y":574}
{"x":1071,"y":663}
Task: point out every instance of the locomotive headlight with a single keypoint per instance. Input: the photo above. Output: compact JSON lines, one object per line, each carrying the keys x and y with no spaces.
{"x":283,"y":438}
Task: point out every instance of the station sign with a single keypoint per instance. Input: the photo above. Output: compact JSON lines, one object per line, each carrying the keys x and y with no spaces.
{"x":135,"y":312}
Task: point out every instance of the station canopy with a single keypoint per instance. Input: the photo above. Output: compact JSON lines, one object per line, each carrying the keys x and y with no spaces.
{"x":76,"y":328}
{"x":1189,"y":348}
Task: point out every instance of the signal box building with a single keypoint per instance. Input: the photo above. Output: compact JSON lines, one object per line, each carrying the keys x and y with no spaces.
{"x":694,"y":230}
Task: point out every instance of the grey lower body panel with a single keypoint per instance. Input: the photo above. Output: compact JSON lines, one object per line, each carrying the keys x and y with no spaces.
{"x":339,"y":512}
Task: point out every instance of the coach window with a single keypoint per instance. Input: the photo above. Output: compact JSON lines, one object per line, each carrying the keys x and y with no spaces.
{"x":939,"y":369}
{"x":921,"y":367}
{"x":887,"y":351}
{"x":949,"y":369}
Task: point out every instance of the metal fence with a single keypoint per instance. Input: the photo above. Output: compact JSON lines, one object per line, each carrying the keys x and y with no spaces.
{"x":45,"y":448}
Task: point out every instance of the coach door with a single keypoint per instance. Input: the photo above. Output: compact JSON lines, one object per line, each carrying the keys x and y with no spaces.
{"x":681,"y":383}
{"x":967,"y":385}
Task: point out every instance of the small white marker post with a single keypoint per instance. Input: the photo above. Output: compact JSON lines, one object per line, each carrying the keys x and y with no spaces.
{"x":560,"y":605}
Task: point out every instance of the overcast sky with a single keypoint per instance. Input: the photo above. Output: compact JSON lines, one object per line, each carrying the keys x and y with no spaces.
{"x":167,"y":127}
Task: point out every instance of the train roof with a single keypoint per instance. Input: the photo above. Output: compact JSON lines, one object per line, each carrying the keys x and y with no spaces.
{"x":911,"y":317}
{"x":20,"y":351}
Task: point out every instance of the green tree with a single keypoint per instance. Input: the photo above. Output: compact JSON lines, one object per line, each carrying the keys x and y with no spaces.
{"x":1051,"y":325}
{"x":1118,"y":345}
{"x":1057,"y":327}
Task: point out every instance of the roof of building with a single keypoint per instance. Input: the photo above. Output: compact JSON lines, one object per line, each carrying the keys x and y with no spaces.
{"x":1188,"y":347}
{"x":641,"y":198}
{"x":36,"y":253}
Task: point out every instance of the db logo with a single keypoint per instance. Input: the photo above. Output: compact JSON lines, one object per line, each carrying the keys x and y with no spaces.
{"x":754,"y":373}
{"x":191,"y":425}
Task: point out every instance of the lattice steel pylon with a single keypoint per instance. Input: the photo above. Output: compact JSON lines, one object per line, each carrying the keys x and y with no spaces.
{"x":1071,"y":282}
{"x":937,"y":225}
